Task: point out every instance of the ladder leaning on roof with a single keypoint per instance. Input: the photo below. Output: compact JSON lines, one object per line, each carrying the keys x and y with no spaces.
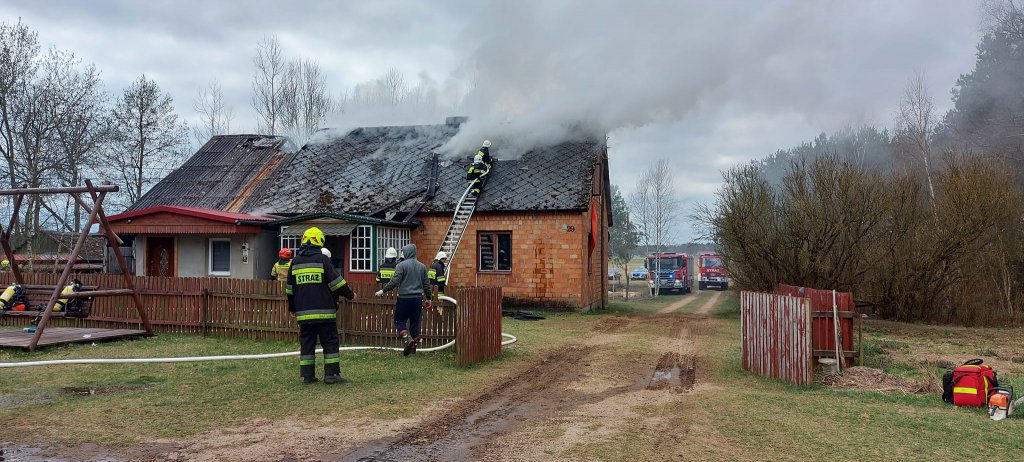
{"x":463,"y":212}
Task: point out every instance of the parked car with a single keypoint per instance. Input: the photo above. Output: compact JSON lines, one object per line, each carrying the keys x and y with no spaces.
{"x":614,"y":274}
{"x":638,"y":273}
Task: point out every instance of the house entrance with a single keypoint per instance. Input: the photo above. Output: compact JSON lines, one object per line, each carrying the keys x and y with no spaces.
{"x":160,"y":258}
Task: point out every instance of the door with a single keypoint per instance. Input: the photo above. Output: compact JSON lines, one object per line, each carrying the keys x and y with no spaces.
{"x":160,"y":258}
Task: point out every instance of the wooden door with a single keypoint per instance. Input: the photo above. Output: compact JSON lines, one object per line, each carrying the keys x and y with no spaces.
{"x":160,"y":258}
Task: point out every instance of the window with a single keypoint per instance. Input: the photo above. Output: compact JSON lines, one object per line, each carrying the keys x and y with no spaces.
{"x":391,"y":237}
{"x":291,"y":242}
{"x":220,"y":257}
{"x":361,"y":245}
{"x":495,"y":251}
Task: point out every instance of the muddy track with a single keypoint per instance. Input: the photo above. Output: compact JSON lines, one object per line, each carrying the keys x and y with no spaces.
{"x":548,"y":393}
{"x":537,"y":391}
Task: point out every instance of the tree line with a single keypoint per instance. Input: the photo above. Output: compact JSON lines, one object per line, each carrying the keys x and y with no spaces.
{"x":59,"y":123}
{"x":925,"y":222}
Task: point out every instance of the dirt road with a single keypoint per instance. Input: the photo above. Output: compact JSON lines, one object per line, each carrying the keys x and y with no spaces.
{"x":627,"y":379}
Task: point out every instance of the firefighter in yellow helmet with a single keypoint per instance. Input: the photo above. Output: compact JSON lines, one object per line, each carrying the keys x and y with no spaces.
{"x":313,"y":288}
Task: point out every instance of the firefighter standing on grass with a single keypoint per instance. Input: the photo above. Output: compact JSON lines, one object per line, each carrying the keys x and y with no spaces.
{"x":313,"y":289}
{"x":438,"y":271}
{"x":413,"y":295}
{"x":284,"y":262}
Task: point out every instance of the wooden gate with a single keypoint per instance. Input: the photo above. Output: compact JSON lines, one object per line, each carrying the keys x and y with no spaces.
{"x":776,"y":336}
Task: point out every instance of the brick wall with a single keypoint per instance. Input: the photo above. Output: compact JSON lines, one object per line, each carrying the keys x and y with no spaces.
{"x":549,"y":256}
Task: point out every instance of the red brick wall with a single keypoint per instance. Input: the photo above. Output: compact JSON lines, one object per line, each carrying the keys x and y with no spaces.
{"x":549,"y":256}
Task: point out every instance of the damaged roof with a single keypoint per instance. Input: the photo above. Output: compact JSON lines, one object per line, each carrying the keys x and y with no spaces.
{"x":371,"y":168}
{"x":220,"y":175}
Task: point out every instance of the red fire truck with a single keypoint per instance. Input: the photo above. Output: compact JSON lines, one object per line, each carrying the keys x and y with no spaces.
{"x":669,"y":271}
{"x":712,"y":274}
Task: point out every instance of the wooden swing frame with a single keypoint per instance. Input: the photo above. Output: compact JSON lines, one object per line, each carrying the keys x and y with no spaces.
{"x":96,"y":216}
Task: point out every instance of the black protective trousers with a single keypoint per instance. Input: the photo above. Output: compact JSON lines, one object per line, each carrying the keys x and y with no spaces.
{"x":327,"y":333}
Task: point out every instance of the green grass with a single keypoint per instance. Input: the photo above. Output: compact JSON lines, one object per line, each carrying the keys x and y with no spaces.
{"x":182,"y":399}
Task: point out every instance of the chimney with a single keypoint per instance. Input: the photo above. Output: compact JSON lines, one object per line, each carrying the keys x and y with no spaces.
{"x":455,"y":121}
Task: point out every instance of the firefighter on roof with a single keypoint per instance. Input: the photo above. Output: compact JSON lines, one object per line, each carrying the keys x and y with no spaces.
{"x":386,"y":270}
{"x":438,"y":271}
{"x":313,"y":288}
{"x":284,"y":261}
{"x":481,"y":166}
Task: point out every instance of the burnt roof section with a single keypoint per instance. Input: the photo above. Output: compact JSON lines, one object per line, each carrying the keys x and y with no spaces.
{"x":217,"y":174}
{"x":370,"y":168}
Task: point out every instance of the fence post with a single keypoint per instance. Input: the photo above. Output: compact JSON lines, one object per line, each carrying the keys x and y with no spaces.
{"x":204,"y":307}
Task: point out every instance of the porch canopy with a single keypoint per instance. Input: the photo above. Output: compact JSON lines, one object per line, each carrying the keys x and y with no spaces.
{"x":168,"y":219}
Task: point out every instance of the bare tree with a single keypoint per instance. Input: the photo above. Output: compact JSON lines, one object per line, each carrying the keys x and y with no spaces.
{"x":19,"y":53}
{"x":656,"y":207}
{"x":915,"y":123}
{"x":305,"y":100}
{"x":393,"y":84}
{"x":147,"y":138}
{"x":267,"y":84}
{"x":215,"y":115}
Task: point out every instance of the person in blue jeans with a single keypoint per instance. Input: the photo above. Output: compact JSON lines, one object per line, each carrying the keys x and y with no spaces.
{"x":414,"y":295}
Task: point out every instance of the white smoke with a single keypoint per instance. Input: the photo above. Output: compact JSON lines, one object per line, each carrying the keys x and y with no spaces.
{"x":534,"y":73}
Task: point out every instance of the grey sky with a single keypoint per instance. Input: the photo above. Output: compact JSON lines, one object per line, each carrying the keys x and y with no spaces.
{"x":707,"y":84}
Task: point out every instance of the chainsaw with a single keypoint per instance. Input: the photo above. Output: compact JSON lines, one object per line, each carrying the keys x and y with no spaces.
{"x":1001,"y":404}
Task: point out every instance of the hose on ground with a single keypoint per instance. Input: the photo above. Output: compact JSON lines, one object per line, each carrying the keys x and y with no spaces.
{"x":510,"y":340}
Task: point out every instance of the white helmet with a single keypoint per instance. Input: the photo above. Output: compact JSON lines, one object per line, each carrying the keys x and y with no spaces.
{"x":391,"y":253}
{"x":324,"y":251}
{"x":441,"y":255}
{"x":487,"y":143}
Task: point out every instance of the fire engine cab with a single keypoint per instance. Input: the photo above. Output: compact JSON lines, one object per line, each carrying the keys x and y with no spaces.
{"x":712,"y":274}
{"x":669,"y":271}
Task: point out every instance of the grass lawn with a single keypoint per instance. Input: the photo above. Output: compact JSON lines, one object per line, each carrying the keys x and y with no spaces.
{"x":181,"y":399}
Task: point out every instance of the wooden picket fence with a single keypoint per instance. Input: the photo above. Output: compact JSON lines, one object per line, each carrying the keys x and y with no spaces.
{"x":776,"y":336}
{"x":258,"y":309}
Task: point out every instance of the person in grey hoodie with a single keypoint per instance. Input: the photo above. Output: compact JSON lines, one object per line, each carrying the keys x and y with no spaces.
{"x":414,"y":295}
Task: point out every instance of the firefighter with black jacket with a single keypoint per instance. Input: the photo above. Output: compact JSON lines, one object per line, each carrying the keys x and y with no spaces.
{"x":386,"y":270}
{"x":437,"y":272}
{"x":313,"y":289}
{"x":476,"y":175}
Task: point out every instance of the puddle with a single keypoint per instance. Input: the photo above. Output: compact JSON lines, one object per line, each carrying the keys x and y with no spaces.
{"x":11,"y":401}
{"x":89,"y":391}
{"x":674,"y":370}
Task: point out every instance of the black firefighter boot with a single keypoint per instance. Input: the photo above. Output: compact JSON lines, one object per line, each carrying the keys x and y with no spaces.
{"x":332,"y":374}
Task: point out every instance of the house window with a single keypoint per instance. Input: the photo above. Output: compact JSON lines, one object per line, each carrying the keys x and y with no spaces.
{"x":291,"y":242}
{"x":361,"y":245}
{"x":495,"y":252}
{"x":220,"y":257}
{"x":391,"y":237}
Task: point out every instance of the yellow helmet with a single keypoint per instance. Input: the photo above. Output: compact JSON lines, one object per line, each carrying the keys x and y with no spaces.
{"x":5,"y":263}
{"x":313,"y":236}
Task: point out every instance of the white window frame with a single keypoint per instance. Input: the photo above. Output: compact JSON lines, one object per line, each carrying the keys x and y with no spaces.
{"x":291,"y":242}
{"x":391,"y":237}
{"x":209,"y":257}
{"x":360,"y":241}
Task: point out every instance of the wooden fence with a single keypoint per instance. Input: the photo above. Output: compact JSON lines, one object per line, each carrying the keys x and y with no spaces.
{"x":258,"y":309}
{"x":776,"y":336}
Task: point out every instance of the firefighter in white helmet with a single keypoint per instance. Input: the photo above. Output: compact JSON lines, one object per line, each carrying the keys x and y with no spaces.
{"x":438,"y":272}
{"x":477,"y":174}
{"x":386,"y":270}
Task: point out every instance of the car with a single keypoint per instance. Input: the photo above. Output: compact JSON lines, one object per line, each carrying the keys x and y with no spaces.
{"x":638,"y":273}
{"x":614,"y":274}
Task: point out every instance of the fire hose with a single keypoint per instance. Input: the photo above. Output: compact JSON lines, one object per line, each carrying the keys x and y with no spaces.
{"x":510,"y":340}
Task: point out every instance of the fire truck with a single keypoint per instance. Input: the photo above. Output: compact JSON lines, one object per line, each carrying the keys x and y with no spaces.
{"x":674,"y":274}
{"x":712,"y":274}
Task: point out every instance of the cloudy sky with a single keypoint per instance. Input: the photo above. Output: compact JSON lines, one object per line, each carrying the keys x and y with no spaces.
{"x":705,"y":84}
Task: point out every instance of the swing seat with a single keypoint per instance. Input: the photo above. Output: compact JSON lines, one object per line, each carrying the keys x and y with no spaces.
{"x":37,"y":295}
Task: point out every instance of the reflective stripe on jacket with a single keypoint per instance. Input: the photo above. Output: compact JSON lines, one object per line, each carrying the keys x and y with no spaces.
{"x":314,"y":285}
